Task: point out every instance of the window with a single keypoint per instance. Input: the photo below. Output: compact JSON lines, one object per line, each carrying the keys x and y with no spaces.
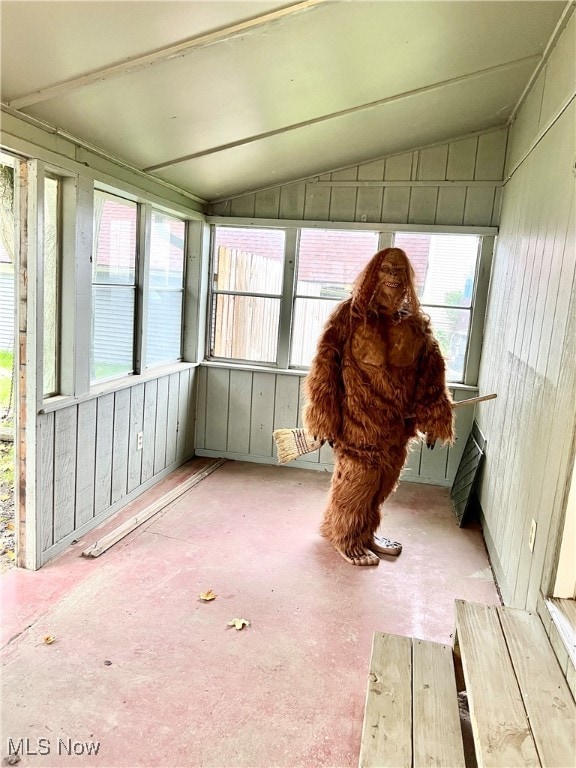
{"x":328,"y":262}
{"x":274,"y":289}
{"x":165,"y":289}
{"x":247,"y":280}
{"x":445,"y":267}
{"x":113,"y":286}
{"x":51,"y":278}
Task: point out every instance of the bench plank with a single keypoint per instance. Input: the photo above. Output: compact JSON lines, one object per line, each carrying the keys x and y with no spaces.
{"x":387,"y":729}
{"x":436,"y":730}
{"x":502,"y":735}
{"x":547,"y":698}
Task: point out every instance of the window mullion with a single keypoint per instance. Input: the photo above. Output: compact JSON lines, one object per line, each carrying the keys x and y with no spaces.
{"x":76,"y":286}
{"x":142,"y":287}
{"x":480,"y":298}
{"x":287,"y":302}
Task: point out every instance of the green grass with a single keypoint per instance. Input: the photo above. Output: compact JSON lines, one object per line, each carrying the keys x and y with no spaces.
{"x":5,"y":383}
{"x":7,"y":464}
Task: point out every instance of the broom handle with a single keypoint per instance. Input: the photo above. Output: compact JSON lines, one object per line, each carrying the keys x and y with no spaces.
{"x":469,"y":401}
{"x":472,"y":400}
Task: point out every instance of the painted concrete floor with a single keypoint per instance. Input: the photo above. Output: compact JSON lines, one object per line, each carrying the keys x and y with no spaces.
{"x":157,"y":678}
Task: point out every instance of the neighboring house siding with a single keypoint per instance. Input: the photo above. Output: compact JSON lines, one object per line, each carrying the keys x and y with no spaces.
{"x":6,"y":307}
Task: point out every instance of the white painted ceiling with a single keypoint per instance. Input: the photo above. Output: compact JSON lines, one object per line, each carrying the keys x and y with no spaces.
{"x":236,"y":107}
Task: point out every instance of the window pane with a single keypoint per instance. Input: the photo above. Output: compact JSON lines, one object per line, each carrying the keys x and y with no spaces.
{"x":245,"y":328}
{"x":310,"y":316}
{"x":445,"y":266}
{"x":112,"y":331}
{"x":451,"y":328}
{"x":249,"y":260}
{"x":329,"y":261}
{"x":51,"y":286}
{"x":114,"y":240}
{"x":164,"y":326}
{"x":166,"y":251}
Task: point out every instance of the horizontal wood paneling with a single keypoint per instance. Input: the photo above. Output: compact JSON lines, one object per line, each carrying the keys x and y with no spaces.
{"x":239,"y":409}
{"x":528,"y":355}
{"x":89,"y":460}
{"x":477,"y":158}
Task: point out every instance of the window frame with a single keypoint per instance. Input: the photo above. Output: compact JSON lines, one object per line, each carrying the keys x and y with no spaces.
{"x":386,"y":234}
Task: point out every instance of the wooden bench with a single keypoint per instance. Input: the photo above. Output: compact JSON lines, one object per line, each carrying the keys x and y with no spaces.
{"x":521,"y":709}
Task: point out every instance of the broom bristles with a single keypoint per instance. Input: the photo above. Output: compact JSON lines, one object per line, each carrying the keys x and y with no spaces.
{"x":292,"y":443}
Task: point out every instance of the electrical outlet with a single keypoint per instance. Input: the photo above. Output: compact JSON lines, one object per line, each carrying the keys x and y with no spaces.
{"x":532,"y":536}
{"x":139,"y":440}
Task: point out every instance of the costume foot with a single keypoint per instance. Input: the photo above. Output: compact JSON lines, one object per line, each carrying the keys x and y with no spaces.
{"x":359,"y":556}
{"x":385,"y":546}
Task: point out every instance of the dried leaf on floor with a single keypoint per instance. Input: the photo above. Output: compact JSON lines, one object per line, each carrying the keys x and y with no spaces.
{"x":49,"y":639}
{"x":239,"y":623}
{"x":207,"y":596}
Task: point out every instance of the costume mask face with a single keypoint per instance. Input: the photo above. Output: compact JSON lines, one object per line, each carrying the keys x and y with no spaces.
{"x":392,"y":280}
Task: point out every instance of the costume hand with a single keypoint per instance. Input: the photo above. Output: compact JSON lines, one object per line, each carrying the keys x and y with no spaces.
{"x":430,"y":440}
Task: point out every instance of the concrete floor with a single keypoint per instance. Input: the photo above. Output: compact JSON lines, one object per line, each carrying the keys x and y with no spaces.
{"x":157,"y":678}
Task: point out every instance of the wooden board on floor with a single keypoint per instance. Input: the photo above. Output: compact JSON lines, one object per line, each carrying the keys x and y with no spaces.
{"x":502,"y":734}
{"x":437,"y":735}
{"x":411,"y":716}
{"x":549,"y":704}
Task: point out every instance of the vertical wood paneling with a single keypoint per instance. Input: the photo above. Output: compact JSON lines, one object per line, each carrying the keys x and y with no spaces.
{"x":432,"y":163}
{"x":201,"y":405}
{"x":369,"y":199}
{"x":46,"y":437}
{"x":161,"y":425}
{"x":267,"y":205}
{"x":479,"y":206}
{"x":433,"y":463}
{"x":136,"y":426}
{"x":121,"y":432}
{"x":192,"y":402}
{"x":243,"y":206}
{"x":463,"y":426}
{"x":412,"y":466}
{"x":239,"y":402}
{"x":292,"y":199}
{"x":317,"y":202}
{"x":462,"y":159}
{"x":262,"y":423}
{"x":184,"y":414}
{"x":65,"y":422}
{"x":217,"y":398}
{"x":529,"y":354}
{"x":450,"y":208}
{"x":172,"y":418}
{"x":308,"y":458}
{"x":479,"y":157}
{"x":343,"y":199}
{"x":559,"y":74}
{"x":396,"y":204}
{"x":423,"y":201}
{"x":104,"y":442}
{"x":525,"y":127}
{"x":85,"y":462}
{"x":286,"y":403}
{"x":491,"y":156}
{"x":149,"y":429}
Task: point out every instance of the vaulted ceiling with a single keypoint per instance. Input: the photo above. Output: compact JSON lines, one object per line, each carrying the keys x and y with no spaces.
{"x":220,"y":98}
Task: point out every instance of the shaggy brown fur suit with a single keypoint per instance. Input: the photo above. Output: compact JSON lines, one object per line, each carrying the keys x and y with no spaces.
{"x":377,"y":379}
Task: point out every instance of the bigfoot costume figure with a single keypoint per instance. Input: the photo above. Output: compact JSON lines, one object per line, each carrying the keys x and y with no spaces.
{"x":377,"y":379}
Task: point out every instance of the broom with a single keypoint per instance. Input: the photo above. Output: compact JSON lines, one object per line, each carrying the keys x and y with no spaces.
{"x":292,"y":443}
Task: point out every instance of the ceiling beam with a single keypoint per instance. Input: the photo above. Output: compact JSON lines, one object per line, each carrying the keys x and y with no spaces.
{"x":341,"y":113}
{"x":128,"y":66}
